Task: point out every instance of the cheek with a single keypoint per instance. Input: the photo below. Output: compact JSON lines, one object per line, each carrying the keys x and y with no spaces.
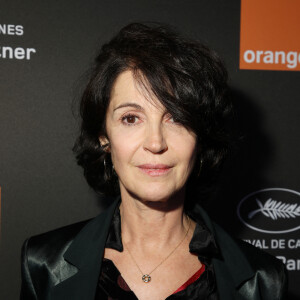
{"x":123,"y":147}
{"x":185,"y":147}
{"x":189,"y":157}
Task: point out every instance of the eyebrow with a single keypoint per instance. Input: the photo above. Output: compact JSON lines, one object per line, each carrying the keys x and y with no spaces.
{"x":129,"y":104}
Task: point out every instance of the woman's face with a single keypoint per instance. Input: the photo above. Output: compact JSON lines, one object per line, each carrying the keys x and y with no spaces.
{"x":152,"y":155}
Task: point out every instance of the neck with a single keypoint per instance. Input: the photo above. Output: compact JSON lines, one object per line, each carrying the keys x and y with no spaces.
{"x":152,"y":224}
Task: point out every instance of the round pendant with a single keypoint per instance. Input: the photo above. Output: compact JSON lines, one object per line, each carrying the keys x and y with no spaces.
{"x":146,"y":278}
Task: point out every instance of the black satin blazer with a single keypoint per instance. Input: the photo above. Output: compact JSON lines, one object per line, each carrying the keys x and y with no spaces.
{"x":65,"y":263}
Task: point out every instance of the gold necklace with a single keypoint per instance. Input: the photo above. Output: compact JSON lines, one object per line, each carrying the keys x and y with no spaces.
{"x":146,"y":277}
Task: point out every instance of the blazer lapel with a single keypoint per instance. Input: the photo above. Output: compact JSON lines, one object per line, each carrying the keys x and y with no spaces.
{"x":85,"y":253}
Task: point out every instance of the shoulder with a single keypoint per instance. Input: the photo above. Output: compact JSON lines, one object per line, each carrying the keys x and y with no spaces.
{"x":40,"y":257}
{"x":268,"y":273}
{"x":259,"y":258}
{"x":46,"y":259}
{"x":271,"y":274}
{"x":265,"y":264}
{"x":52,"y":245}
{"x":47,"y":249}
{"x":58,"y":240}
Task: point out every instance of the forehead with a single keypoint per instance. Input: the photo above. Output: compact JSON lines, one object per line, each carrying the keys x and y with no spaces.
{"x":127,"y":88}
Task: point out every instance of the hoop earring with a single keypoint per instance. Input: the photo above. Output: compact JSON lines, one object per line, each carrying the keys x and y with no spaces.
{"x":200,"y":168}
{"x":105,"y":168}
{"x":107,"y":174}
{"x":111,"y":172}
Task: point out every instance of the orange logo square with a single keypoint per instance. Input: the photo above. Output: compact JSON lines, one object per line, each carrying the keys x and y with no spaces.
{"x":270,"y":35}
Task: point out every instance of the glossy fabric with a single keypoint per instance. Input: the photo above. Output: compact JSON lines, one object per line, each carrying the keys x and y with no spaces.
{"x":202,"y":244}
{"x":66,"y":263}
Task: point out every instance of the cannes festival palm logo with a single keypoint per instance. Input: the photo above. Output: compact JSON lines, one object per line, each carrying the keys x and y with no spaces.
{"x":272,"y":210}
{"x":276,"y":209}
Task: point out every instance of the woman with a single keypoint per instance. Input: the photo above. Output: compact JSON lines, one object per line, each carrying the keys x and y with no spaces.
{"x":154,"y":125}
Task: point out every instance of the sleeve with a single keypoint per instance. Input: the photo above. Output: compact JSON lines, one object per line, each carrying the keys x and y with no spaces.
{"x":27,"y":289}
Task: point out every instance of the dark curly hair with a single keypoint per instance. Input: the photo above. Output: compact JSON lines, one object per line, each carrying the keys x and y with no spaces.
{"x":187,"y":78}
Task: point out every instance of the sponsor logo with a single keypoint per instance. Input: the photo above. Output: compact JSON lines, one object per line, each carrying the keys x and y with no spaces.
{"x":8,"y":52}
{"x":272,"y":210}
{"x":269,"y":35}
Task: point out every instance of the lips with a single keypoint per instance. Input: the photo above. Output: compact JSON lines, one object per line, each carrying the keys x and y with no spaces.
{"x":155,"y":169}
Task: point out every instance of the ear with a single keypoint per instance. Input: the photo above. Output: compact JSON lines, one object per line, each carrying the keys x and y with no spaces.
{"x":104,"y":142}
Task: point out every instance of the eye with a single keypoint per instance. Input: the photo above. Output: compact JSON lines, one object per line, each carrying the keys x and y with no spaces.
{"x":171,"y":119}
{"x":130,"y":119}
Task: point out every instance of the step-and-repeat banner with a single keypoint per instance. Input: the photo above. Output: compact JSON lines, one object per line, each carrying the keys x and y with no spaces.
{"x":45,"y":49}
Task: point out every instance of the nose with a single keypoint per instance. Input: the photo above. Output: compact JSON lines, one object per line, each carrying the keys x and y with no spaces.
{"x":155,"y":141}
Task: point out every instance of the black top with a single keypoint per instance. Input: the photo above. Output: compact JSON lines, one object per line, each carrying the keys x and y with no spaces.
{"x":112,"y":286}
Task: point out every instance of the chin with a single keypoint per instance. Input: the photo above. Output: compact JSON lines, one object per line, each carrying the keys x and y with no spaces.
{"x":155,"y":193}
